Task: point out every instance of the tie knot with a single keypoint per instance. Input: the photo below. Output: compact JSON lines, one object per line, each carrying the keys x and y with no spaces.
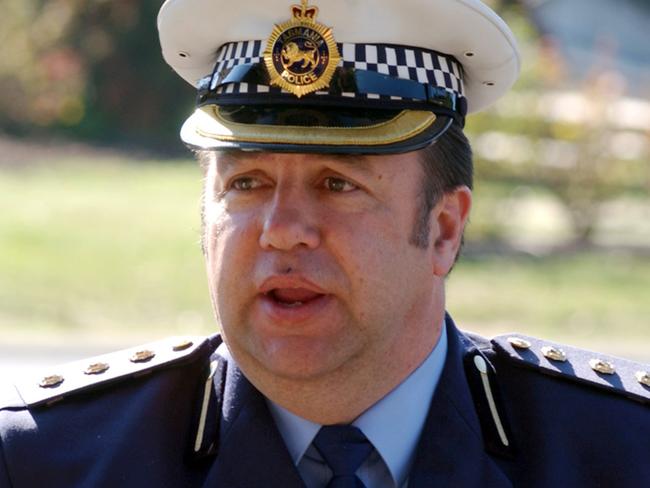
{"x":343,"y":447}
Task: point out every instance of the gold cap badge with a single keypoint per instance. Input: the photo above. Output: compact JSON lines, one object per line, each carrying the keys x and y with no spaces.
{"x":301,"y":54}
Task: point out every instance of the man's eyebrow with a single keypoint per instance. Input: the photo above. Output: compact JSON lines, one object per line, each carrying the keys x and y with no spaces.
{"x":351,"y":159}
{"x":226,"y":160}
{"x":360,"y":162}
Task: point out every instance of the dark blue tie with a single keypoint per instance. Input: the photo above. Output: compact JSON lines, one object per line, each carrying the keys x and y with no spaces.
{"x":344,"y":448}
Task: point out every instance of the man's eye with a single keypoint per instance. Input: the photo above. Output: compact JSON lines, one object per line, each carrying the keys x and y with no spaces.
{"x":246,"y":183}
{"x":338,"y":185}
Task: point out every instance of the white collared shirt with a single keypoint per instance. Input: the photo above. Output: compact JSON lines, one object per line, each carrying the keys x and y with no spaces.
{"x":393,"y":426}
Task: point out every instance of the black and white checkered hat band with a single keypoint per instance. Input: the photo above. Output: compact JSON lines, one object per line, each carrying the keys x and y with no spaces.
{"x":423,"y":66}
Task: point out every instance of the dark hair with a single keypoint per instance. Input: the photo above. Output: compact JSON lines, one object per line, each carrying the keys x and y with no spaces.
{"x":446,"y":165}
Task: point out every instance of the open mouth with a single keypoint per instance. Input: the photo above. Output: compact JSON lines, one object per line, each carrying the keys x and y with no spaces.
{"x":292,"y":297}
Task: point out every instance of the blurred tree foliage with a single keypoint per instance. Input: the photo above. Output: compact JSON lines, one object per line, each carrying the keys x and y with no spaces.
{"x":90,"y":69}
{"x":574,"y":138}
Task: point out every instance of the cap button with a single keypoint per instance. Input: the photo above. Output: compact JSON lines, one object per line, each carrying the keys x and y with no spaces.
{"x":142,"y":356}
{"x":96,"y":368}
{"x":554,"y":353}
{"x":519,"y":343}
{"x":51,"y":381}
{"x":182,"y":345}
{"x":602,"y":366}
{"x":643,"y":377}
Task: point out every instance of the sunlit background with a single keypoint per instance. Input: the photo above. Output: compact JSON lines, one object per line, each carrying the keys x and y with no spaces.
{"x":99,"y":223}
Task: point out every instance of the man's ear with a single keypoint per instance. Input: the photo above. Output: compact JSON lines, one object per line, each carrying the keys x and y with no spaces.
{"x":448,"y":220}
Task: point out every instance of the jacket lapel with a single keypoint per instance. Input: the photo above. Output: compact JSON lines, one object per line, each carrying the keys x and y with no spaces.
{"x":451,"y":449}
{"x":251,"y":452}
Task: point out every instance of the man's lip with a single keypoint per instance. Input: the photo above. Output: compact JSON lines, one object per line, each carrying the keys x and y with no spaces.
{"x":274,"y":314}
{"x":275,"y":282}
{"x":293,"y":295}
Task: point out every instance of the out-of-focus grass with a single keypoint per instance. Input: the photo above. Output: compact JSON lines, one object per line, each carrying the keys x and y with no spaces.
{"x":594,"y":300}
{"x":113,"y":248}
{"x":87,"y":246}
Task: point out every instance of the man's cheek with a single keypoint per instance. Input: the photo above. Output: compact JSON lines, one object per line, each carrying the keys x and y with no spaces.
{"x":215,"y":218}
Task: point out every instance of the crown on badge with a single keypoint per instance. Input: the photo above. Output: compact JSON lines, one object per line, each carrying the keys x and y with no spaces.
{"x":304,"y":12}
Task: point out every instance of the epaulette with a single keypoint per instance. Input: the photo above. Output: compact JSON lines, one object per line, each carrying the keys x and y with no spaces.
{"x":59,"y":382}
{"x":608,"y":373}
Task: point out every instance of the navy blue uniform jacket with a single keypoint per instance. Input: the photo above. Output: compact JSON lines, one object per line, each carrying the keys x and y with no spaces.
{"x":186,"y":418}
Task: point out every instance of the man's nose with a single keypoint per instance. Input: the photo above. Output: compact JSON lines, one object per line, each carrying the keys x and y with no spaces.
{"x":288,"y":224}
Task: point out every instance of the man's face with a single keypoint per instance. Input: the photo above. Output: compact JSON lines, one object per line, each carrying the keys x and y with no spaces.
{"x":309,"y":263}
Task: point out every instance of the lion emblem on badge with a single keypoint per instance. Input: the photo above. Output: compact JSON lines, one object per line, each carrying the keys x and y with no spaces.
{"x":292,"y":54}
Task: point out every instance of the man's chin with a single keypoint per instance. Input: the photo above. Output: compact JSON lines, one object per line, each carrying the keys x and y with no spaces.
{"x":297,"y":359}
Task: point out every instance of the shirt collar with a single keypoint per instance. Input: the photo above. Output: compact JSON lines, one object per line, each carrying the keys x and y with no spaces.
{"x":393,"y":424}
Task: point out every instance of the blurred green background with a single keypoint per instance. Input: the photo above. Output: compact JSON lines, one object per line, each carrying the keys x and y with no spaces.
{"x":99,"y":201}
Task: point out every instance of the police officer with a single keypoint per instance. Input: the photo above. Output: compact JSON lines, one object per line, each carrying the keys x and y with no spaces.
{"x":338,"y":186}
